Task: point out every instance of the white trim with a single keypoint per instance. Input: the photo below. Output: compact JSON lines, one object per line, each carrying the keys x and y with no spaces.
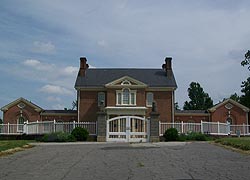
{"x":173,"y":108}
{"x":78,"y":108}
{"x":121,"y":110}
{"x":118,"y":83}
{"x":121,"y":107}
{"x":130,"y":97}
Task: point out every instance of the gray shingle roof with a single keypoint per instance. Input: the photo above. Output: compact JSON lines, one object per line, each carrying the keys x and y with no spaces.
{"x":59,"y":112}
{"x":191,"y":111}
{"x":100,"y":77}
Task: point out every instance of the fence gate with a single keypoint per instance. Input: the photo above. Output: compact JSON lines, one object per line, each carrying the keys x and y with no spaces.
{"x":128,"y":129}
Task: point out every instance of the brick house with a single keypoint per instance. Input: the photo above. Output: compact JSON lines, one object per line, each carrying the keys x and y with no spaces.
{"x":22,"y":110}
{"x":125,"y":91}
{"x":123,"y":100}
{"x":227,"y":111}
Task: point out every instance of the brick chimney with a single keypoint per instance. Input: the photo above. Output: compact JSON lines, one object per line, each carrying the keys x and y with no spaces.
{"x":83,"y":66}
{"x":168,"y":66}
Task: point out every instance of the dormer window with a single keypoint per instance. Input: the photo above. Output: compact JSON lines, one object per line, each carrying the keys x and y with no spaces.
{"x":126,"y":97}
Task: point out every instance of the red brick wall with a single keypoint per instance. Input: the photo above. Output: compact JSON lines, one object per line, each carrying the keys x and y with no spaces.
{"x":88,"y":106}
{"x":59,"y":118}
{"x":221,"y":114}
{"x":88,"y":103}
{"x":13,"y":114}
{"x":191,"y":118}
{"x":111,"y":97}
{"x":164,"y":105}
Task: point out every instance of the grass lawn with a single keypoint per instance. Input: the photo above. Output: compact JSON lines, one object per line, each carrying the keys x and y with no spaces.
{"x":242,"y":143}
{"x":11,"y":144}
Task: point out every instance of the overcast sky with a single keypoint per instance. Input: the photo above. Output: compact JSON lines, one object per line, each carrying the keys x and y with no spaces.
{"x":41,"y":43}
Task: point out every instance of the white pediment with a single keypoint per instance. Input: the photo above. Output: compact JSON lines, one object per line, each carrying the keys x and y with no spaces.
{"x":126,"y":81}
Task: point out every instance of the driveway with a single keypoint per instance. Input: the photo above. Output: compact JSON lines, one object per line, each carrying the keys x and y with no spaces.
{"x":125,"y":161}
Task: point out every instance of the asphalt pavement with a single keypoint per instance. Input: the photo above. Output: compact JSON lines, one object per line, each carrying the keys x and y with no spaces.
{"x":120,"y":161}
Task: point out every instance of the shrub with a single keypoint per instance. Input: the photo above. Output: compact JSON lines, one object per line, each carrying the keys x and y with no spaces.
{"x":80,"y":134}
{"x":171,"y":134}
{"x":195,"y":136}
{"x":58,"y":137}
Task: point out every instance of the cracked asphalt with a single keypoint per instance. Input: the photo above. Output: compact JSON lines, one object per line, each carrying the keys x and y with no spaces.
{"x":125,"y":161}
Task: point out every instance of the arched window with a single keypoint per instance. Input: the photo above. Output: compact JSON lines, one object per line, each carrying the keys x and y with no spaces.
{"x":126,"y":97}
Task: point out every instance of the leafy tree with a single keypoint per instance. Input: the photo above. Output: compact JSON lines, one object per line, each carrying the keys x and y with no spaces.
{"x":176,"y":106}
{"x":199,"y":100}
{"x":235,"y":97}
{"x":245,"y":98}
{"x":246,"y":62}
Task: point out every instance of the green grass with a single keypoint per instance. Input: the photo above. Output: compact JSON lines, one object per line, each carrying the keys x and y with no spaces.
{"x":5,"y":145}
{"x":242,"y":143}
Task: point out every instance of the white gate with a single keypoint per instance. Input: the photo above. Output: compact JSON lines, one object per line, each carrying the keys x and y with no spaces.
{"x":128,"y":129}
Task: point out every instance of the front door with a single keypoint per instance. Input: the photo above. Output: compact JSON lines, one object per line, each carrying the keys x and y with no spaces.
{"x":128,"y":129}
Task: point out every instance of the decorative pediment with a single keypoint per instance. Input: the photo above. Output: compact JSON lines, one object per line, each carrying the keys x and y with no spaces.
{"x":126,"y":81}
{"x":21,"y":103}
{"x":229,"y":104}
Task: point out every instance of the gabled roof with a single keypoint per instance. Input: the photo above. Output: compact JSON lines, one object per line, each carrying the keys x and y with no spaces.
{"x":100,"y":77}
{"x":19,"y":100}
{"x":244,"y":108}
{"x":59,"y":112}
{"x":191,"y":112}
{"x":126,"y":79}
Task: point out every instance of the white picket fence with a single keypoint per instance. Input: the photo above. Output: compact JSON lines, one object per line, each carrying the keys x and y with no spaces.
{"x":213,"y":128}
{"x":44,"y":127}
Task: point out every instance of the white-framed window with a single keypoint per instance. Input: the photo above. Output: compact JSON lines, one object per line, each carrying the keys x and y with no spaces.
{"x":150,"y":99}
{"x":101,"y":98}
{"x":126,"y":97}
{"x":20,"y":122}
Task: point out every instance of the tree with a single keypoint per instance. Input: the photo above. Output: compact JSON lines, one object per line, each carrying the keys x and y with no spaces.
{"x":246,"y":62}
{"x":176,"y":106}
{"x":199,"y":100}
{"x":235,"y":97}
{"x":1,"y":121}
{"x":245,"y":98}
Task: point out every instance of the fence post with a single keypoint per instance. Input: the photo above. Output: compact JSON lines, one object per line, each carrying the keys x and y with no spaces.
{"x":37,"y":126}
{"x":8,"y":128}
{"x":74,"y":124}
{"x":159,"y":128}
{"x":218,"y":125}
{"x":24,"y":127}
{"x":54,"y":129}
{"x":243,"y":129}
{"x":182,"y":127}
{"x":27,"y":127}
{"x":202,"y":131}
